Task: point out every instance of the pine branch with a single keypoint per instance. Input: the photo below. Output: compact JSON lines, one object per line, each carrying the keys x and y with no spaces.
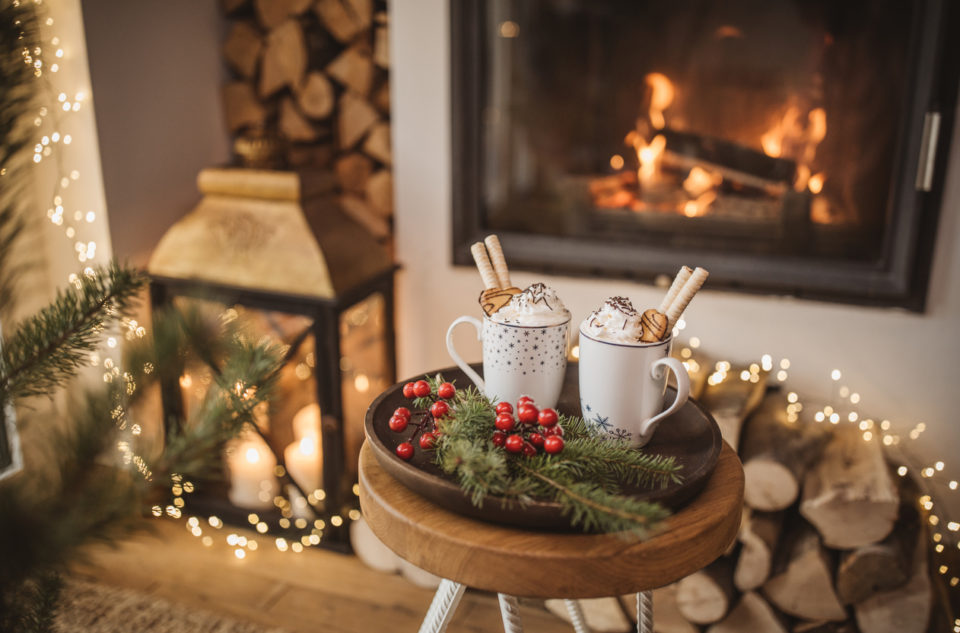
{"x":47,"y":349}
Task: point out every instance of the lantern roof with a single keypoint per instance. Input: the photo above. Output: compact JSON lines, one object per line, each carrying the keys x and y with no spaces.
{"x":271,"y":231}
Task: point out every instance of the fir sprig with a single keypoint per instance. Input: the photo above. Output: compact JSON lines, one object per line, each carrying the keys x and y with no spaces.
{"x":585,"y":479}
{"x":47,"y":349}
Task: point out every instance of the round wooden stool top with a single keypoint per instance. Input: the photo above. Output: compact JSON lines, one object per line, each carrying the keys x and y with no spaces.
{"x":548,"y":565}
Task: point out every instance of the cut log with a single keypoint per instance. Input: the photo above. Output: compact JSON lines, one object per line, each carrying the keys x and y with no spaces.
{"x":705,"y":597}
{"x":293,"y":125}
{"x":272,"y":13}
{"x":362,"y":12}
{"x":753,"y":614}
{"x":241,"y":107}
{"x":371,"y":550}
{"x":358,"y":210}
{"x":355,"y":118}
{"x":776,"y":455}
{"x":731,"y":402}
{"x":379,"y":192}
{"x":284,"y":58}
{"x":381,"y":47}
{"x":824,"y":627}
{"x":602,"y":615}
{"x":377,"y":144}
{"x":314,"y":155}
{"x":905,"y":609}
{"x":802,"y":584}
{"x":870,"y":569}
{"x":316,"y":97}
{"x":353,"y":172}
{"x":667,"y":618}
{"x":381,"y":97}
{"x":340,"y":18}
{"x":354,"y":69}
{"x":242,"y":48}
{"x":759,"y":532}
{"x":849,"y":495}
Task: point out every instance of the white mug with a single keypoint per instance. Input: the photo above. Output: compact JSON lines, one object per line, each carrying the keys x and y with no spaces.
{"x":622,"y":387}
{"x":518,"y":360}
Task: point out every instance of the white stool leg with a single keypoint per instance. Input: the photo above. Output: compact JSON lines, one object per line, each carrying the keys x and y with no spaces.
{"x":510,"y":612}
{"x":645,"y":612}
{"x":441,"y":610}
{"x":576,"y":616}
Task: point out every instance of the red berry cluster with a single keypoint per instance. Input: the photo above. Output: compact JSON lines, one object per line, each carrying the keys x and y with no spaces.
{"x":531,"y":430}
{"x":426,"y":426}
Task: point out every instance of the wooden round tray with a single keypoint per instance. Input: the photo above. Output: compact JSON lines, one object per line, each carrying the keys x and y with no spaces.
{"x":690,"y":435}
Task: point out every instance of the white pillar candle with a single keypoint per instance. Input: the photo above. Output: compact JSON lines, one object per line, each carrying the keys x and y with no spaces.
{"x":306,"y":422}
{"x":253,"y":483}
{"x":303,"y":462}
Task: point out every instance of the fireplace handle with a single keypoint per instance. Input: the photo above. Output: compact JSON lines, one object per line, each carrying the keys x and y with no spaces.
{"x":928,"y":151}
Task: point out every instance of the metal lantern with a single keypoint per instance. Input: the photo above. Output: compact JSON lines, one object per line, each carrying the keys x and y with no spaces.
{"x":274,"y":249}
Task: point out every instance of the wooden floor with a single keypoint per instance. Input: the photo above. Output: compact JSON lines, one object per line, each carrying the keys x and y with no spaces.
{"x":315,"y":591}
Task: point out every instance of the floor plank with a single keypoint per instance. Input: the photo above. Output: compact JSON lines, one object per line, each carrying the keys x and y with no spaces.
{"x":316,"y":590}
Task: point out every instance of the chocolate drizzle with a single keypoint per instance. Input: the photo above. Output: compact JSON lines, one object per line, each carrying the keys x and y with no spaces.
{"x":616,"y":307}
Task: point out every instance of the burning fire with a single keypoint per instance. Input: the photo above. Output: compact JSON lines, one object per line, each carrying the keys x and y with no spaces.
{"x":691,"y":186}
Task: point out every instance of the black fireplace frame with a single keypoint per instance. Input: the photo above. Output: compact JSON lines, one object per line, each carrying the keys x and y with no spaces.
{"x":900,"y":279}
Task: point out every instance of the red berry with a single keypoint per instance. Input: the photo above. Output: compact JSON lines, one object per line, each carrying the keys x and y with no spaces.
{"x":513,"y":444}
{"x":405,"y":450}
{"x":529,"y":450}
{"x":523,"y":400}
{"x":547,"y":417}
{"x":408,"y":391}
{"x":553,"y":444}
{"x":439,"y":409}
{"x":504,"y":407}
{"x":428,"y":440}
{"x":504,"y":422}
{"x":402,"y":412}
{"x":446,"y":390}
{"x":398,"y":423}
{"x":499,"y":437}
{"x":536,"y":439}
{"x":527,"y":413}
{"x":556,"y":429}
{"x":421,"y":388}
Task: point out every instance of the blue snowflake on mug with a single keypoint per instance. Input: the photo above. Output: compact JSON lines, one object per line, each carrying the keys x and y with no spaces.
{"x":602,"y":423}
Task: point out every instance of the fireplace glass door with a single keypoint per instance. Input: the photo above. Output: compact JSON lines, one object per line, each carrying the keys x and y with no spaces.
{"x":776,"y":140}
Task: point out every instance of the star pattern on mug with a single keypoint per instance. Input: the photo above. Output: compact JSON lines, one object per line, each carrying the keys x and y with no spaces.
{"x":525,"y":350}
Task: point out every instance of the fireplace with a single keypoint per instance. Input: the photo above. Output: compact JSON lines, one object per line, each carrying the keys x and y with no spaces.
{"x":789,"y":147}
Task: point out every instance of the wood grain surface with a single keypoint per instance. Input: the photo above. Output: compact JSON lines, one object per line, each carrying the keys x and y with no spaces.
{"x":548,"y":565}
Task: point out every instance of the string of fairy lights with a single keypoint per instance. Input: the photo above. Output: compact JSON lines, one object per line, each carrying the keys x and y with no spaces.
{"x":52,"y":121}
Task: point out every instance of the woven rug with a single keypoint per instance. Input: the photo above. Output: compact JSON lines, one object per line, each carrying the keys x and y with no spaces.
{"x":88,"y":607}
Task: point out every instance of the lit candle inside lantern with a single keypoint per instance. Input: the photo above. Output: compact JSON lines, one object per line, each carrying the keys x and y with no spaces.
{"x":251,"y":463}
{"x":303,"y":461}
{"x":306,"y":422}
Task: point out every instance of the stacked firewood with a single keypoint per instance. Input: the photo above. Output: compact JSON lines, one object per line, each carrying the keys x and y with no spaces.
{"x":311,"y":77}
{"x":830,"y":541}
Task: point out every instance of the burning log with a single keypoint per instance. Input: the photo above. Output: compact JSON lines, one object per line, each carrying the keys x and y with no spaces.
{"x":740,"y":166}
{"x":804,"y":585}
{"x":705,"y":597}
{"x":849,"y":495}
{"x":776,"y":455}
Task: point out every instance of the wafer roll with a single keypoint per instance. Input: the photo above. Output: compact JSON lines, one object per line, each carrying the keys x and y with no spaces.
{"x":655,"y":326}
{"x":675,"y":287}
{"x":483,"y":265}
{"x":686,"y":293}
{"x":498,"y":260}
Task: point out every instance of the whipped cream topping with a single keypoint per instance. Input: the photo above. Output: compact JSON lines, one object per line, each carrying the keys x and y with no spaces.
{"x":616,"y":321}
{"x":537,"y":305}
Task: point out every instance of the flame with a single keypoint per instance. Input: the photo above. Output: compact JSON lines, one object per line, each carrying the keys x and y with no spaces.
{"x":816,"y":182}
{"x":661,"y":96}
{"x":700,"y":180}
{"x":772,"y":140}
{"x":649,"y":155}
{"x":698,"y":207}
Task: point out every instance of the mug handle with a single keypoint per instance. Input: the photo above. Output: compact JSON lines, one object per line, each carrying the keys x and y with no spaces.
{"x":683,"y":390}
{"x":472,"y":375}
